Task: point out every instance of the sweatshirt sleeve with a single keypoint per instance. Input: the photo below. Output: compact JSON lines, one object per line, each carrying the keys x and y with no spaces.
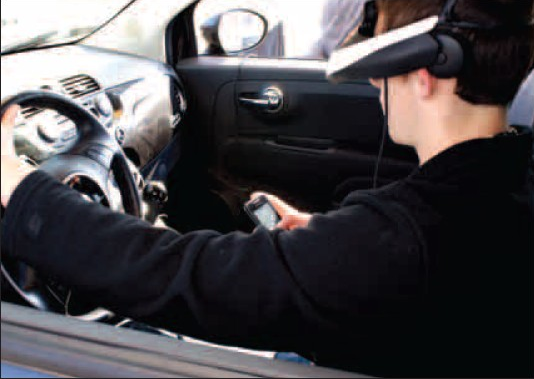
{"x":266,"y":290}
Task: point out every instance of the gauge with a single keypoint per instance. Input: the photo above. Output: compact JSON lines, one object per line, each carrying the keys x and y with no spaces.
{"x":103,"y":105}
{"x":41,"y":134}
{"x":47,"y":127}
{"x":116,"y":105}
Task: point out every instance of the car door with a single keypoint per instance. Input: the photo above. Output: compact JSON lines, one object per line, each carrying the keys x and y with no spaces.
{"x":277,"y":124}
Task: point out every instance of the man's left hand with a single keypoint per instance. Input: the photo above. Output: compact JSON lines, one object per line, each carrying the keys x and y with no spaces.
{"x":13,"y":169}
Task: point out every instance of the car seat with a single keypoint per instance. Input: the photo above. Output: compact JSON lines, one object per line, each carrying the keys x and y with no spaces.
{"x":522,"y":109}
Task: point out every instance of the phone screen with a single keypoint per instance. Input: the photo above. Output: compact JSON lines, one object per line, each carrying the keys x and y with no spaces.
{"x":267,"y":216}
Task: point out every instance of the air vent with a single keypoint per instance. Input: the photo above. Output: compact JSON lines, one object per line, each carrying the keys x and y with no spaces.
{"x":29,"y":112}
{"x":79,"y":85}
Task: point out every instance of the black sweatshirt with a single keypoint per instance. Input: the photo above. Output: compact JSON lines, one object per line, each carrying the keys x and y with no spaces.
{"x":429,"y":276}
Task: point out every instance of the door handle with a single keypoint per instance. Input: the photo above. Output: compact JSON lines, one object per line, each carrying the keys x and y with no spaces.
{"x":270,"y":101}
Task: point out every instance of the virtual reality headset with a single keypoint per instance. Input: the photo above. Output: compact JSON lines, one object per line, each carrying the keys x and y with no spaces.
{"x":429,"y":43}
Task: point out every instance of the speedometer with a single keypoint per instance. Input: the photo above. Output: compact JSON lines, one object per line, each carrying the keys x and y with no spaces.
{"x":42,"y":133}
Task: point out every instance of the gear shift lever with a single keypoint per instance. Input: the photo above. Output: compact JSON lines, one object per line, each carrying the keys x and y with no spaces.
{"x":155,"y":195}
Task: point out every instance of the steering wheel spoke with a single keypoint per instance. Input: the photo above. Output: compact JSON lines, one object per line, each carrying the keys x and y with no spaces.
{"x":99,"y":153}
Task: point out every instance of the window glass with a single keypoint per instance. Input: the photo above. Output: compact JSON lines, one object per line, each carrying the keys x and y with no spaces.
{"x":34,"y":23}
{"x":297,"y":29}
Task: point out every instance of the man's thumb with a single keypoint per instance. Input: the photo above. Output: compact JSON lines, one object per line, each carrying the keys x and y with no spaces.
{"x":289,"y":222}
{"x":285,"y":224}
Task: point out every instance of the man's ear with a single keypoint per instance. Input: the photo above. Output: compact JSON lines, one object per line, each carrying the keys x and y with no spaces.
{"x":425,"y":83}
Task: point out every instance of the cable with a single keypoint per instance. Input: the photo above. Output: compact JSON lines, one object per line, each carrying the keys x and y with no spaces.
{"x":384,"y":132}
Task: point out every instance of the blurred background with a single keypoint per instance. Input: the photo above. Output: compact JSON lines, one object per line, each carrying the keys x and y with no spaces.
{"x":300,"y":29}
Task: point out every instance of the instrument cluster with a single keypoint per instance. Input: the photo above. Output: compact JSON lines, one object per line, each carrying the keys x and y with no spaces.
{"x":133,"y":112}
{"x":41,"y":133}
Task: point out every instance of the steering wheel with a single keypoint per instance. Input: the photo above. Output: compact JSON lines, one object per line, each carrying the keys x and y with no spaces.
{"x":91,"y":162}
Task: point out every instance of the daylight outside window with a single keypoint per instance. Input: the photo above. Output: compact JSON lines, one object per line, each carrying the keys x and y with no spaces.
{"x":34,"y":23}
{"x":298,"y":29}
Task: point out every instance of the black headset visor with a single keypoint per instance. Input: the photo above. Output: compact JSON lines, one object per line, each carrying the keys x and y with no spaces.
{"x":390,"y":54}
{"x":424,"y":44}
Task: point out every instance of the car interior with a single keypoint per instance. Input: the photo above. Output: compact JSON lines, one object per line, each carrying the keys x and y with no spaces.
{"x":186,"y":139}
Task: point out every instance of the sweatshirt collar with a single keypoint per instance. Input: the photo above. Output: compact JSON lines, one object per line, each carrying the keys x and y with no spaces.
{"x":499,"y":162}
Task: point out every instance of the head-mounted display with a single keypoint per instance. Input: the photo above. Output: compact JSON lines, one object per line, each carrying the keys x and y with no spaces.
{"x":427,"y":43}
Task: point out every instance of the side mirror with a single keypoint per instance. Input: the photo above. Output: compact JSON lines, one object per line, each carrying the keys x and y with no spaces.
{"x":234,"y":32}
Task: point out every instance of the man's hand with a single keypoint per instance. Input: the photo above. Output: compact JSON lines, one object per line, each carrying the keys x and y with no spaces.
{"x":13,"y":170}
{"x":291,"y":218}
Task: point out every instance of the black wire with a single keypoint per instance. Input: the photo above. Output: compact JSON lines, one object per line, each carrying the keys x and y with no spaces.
{"x":384,"y":132}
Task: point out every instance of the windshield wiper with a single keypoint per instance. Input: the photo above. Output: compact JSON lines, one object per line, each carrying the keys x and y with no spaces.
{"x":34,"y":42}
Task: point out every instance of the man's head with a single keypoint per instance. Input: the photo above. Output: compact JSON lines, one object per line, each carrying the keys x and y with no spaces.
{"x":496,"y":62}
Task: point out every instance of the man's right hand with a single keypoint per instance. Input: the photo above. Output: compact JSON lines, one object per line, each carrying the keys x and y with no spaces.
{"x":291,"y":218}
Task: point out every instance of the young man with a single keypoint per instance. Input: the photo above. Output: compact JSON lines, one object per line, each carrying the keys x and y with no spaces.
{"x":430,"y":276}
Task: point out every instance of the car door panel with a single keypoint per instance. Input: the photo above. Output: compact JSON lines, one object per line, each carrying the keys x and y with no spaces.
{"x":325,"y":135}
{"x":314,"y":109}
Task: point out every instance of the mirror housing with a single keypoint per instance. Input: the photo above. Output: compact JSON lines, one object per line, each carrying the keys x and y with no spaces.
{"x":234,"y":32}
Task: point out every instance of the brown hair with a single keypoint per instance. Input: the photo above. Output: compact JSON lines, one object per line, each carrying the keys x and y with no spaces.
{"x":497,"y":60}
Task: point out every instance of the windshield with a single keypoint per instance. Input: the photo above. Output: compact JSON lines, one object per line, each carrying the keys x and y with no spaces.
{"x":34,"y":23}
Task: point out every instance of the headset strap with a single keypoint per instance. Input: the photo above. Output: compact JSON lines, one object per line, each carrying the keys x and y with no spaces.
{"x":448,"y":19}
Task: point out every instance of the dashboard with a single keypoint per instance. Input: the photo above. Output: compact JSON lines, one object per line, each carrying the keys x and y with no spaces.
{"x":140,"y":102}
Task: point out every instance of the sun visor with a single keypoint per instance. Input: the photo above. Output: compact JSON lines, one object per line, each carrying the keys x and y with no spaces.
{"x":394,"y":53}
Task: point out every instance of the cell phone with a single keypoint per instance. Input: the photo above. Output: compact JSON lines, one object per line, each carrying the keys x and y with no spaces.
{"x":262,"y":212}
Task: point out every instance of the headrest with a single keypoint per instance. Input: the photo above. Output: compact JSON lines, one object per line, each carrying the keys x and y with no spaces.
{"x":522,"y":109}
